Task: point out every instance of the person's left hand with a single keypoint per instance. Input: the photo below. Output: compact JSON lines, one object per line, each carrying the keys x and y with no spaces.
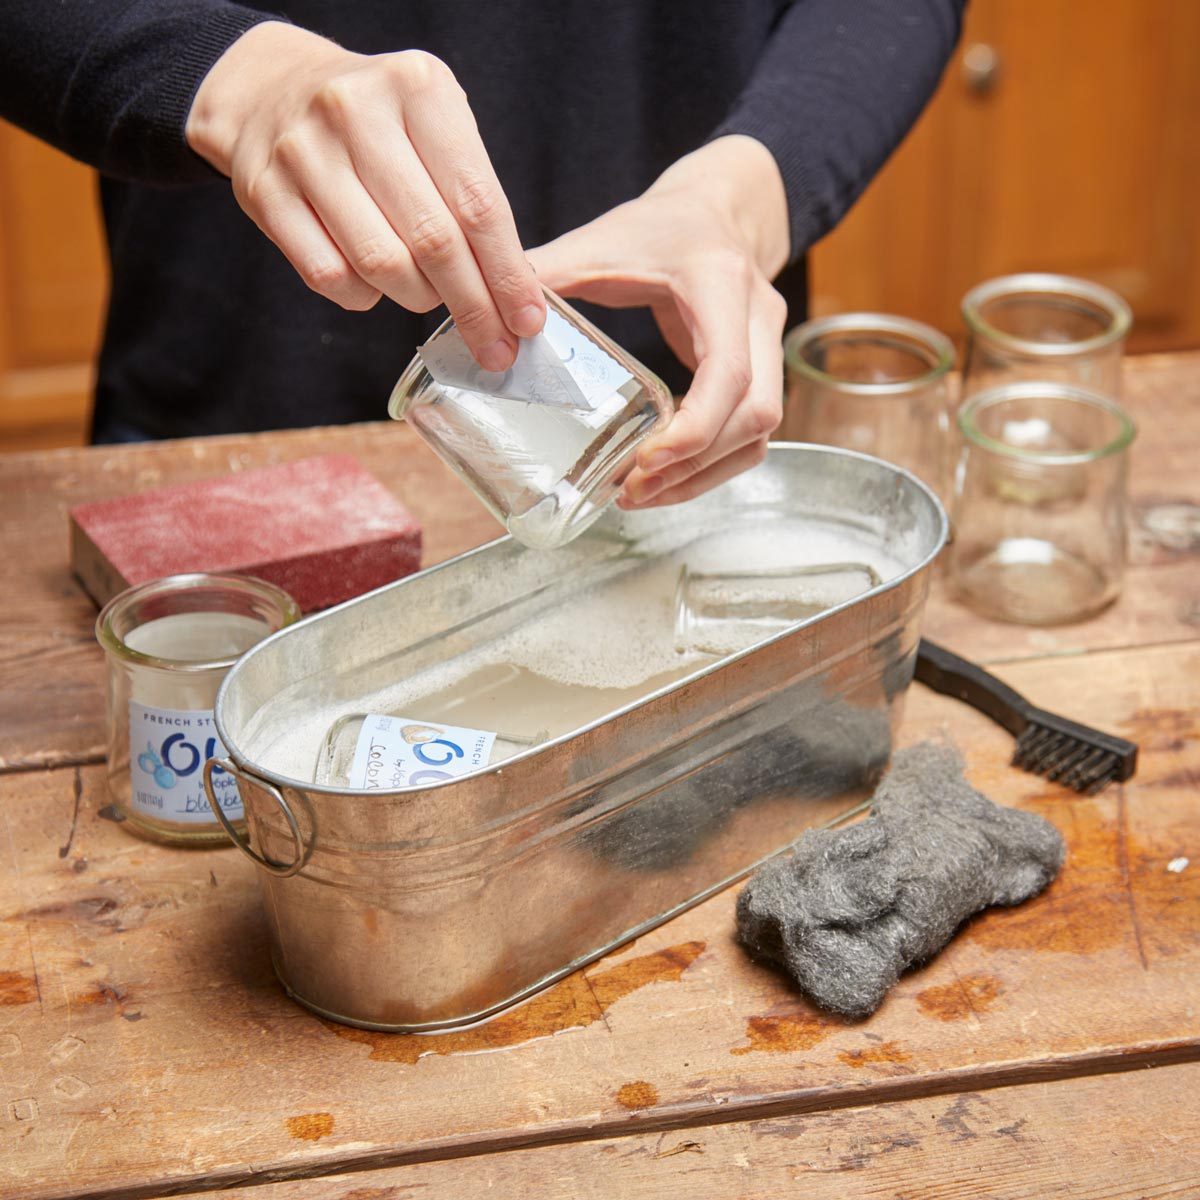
{"x":699,"y":248}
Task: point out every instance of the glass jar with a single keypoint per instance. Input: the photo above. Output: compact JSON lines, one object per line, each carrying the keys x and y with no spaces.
{"x":874,"y":383}
{"x":547,"y":444}
{"x":169,"y":644}
{"x":1044,"y":328}
{"x":723,"y":612}
{"x":1040,"y":503}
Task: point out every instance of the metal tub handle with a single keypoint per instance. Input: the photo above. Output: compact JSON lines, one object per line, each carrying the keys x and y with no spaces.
{"x":283,"y":870}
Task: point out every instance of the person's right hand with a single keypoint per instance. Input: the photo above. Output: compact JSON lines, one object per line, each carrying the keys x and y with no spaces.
{"x":368,"y":172}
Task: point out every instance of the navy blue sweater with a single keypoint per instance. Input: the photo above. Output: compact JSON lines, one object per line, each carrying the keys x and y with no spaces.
{"x":581,"y":106}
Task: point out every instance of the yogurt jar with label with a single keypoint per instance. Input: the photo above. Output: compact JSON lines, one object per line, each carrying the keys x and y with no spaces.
{"x":169,"y":645}
{"x":546,"y":444}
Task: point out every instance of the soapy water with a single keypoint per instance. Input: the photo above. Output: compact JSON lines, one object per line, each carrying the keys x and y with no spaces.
{"x":559,"y":668}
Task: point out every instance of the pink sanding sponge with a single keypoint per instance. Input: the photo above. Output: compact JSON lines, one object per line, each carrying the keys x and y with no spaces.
{"x":323,"y":529}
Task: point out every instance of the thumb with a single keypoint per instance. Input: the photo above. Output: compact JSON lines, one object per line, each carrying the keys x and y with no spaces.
{"x":566,"y":261}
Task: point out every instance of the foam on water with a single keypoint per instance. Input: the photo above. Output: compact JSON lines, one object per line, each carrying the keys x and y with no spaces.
{"x":563,"y":667}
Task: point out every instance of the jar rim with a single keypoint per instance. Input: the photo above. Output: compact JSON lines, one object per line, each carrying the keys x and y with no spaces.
{"x":939,"y":346}
{"x":1119,"y":314}
{"x":284,"y":609}
{"x":406,"y":385}
{"x":968,"y":423}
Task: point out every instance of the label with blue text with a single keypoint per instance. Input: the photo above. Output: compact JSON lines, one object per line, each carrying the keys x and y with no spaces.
{"x":168,"y":748}
{"x":398,"y":752}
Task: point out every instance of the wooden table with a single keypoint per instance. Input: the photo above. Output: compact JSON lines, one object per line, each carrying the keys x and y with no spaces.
{"x":146,"y":1049}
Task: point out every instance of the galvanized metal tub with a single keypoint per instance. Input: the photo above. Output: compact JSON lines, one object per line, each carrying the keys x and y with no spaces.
{"x":432,"y":907}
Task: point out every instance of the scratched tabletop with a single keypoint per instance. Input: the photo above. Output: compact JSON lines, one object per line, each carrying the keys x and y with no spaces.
{"x":146,"y":1049}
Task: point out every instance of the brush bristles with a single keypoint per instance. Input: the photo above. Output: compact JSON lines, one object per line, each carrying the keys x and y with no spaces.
{"x":1065,"y":759}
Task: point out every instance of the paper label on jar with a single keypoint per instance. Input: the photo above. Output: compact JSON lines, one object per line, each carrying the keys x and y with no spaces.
{"x":397,"y":752}
{"x":537,"y":375}
{"x":596,"y":373}
{"x":168,"y":748}
{"x":560,"y":368}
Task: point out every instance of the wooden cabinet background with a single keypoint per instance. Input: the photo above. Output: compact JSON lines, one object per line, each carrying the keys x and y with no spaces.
{"x":1065,"y":137}
{"x":53,"y":280}
{"x":1077,"y":151}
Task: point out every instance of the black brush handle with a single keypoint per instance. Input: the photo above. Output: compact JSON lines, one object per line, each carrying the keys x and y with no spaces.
{"x":949,"y":675}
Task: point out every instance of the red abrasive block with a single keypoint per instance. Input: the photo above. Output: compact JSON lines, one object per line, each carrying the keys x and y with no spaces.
{"x":323,"y":529}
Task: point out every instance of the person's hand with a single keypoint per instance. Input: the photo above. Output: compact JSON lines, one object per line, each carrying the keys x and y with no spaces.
{"x":700,"y":248}
{"x":368,"y":172}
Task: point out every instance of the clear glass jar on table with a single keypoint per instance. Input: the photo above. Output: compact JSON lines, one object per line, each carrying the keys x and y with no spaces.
{"x":169,"y":645}
{"x":1044,"y":328}
{"x":1040,"y":503}
{"x":874,"y":383}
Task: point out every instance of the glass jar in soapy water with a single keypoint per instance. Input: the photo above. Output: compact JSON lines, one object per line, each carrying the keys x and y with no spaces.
{"x":546,"y":444}
{"x":169,"y":645}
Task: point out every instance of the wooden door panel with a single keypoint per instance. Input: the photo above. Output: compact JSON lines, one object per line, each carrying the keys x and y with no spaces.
{"x":1081,"y":156}
{"x":53,"y":283}
{"x":56,"y":275}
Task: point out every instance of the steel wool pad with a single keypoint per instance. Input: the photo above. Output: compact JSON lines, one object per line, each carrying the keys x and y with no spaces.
{"x":850,"y":909}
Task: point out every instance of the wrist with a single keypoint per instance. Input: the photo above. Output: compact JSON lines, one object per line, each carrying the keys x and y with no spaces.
{"x":738,"y":177}
{"x":259,"y":66}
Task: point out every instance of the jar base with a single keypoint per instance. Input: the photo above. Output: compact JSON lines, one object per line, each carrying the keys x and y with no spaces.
{"x":573,"y":506}
{"x":1027,"y":581}
{"x":203,"y":837}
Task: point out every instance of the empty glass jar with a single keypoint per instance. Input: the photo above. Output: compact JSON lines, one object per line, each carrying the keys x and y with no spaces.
{"x":1040,"y":503}
{"x":874,"y":383}
{"x":169,"y":645}
{"x":1050,"y":328}
{"x":547,"y":444}
{"x":722,"y":612}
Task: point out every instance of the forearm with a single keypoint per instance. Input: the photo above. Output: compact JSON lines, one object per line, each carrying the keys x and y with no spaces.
{"x":836,"y":90}
{"x":111,"y":84}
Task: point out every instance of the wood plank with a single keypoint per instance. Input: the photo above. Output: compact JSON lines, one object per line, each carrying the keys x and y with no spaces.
{"x":52,"y":701}
{"x":145,"y":1048}
{"x":51,"y":706}
{"x":1122,"y":1136}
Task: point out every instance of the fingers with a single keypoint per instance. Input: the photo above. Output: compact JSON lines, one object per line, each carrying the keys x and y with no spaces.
{"x":703,"y":481}
{"x":754,"y":418}
{"x":365,"y":237}
{"x":374,"y":180}
{"x":442,"y":129}
{"x":291,"y":223}
{"x":414,"y":207}
{"x":716,"y":310}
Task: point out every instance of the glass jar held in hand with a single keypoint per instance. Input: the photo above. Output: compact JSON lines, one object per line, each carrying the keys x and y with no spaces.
{"x":547,"y":444}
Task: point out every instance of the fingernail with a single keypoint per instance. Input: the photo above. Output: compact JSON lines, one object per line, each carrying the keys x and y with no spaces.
{"x":657,"y":460}
{"x":528,"y":320}
{"x":498,"y":356}
{"x":646,"y":488}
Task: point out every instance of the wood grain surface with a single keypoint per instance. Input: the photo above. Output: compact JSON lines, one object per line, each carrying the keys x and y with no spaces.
{"x":146,"y":1048}
{"x":147,"y":1044}
{"x":1130,"y":1135}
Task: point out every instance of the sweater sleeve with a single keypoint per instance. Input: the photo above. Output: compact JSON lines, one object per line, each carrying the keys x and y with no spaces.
{"x":835,"y":90}
{"x":111,"y":83}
